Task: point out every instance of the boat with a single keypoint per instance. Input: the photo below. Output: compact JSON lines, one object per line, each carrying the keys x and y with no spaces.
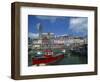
{"x":47,"y":55}
{"x":47,"y":58}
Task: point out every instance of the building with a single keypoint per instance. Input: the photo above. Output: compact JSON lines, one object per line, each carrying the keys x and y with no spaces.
{"x":36,"y":44}
{"x":49,"y":40}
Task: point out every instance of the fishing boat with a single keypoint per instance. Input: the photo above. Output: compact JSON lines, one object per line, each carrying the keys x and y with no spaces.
{"x":45,"y":55}
{"x":47,"y":58}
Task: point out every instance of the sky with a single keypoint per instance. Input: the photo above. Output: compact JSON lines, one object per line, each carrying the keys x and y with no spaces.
{"x":59,"y":25}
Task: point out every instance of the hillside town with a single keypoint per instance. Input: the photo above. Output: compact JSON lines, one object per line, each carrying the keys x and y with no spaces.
{"x":52,"y":41}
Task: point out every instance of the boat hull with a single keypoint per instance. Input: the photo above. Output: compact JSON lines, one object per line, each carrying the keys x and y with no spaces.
{"x":47,"y":60}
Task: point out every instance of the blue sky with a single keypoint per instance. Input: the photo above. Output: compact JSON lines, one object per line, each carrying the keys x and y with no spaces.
{"x":59,"y":25}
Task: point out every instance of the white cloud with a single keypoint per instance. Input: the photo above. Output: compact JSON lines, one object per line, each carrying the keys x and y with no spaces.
{"x":79,"y":24}
{"x":51,"y":18}
{"x":33,"y":35}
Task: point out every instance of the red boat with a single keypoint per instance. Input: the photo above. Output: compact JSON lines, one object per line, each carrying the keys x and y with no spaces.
{"x":48,"y":58}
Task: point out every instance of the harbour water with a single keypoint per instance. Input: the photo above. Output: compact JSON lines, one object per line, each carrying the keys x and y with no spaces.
{"x":71,"y":59}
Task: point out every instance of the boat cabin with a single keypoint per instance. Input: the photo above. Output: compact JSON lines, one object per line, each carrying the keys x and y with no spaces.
{"x":48,"y":53}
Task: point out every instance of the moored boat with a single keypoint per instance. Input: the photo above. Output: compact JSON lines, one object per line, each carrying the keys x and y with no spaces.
{"x":47,"y":58}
